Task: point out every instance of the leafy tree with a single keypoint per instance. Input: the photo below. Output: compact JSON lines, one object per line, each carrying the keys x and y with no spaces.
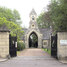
{"x":34,"y":38}
{"x":7,"y":13}
{"x":44,"y":20}
{"x":58,"y":14}
{"x":14,"y":28}
{"x":12,"y":21}
{"x":10,"y":15}
{"x":16,"y":16}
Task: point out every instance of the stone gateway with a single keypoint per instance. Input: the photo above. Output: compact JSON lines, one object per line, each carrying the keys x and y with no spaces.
{"x":43,"y":35}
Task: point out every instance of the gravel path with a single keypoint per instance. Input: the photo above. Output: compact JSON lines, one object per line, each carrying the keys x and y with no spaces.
{"x":33,"y":52}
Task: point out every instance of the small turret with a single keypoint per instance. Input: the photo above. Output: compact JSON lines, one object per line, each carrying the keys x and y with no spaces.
{"x":33,"y":15}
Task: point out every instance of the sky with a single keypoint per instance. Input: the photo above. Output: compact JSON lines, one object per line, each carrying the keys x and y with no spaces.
{"x":24,"y":8}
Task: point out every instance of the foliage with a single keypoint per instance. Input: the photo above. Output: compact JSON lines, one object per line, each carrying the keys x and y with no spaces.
{"x":10,"y":15}
{"x":44,"y":20}
{"x":58,"y":14}
{"x":12,"y":21}
{"x":34,"y":38}
{"x":20,"y":46}
{"x":14,"y":28}
{"x":47,"y":50}
{"x":16,"y":17}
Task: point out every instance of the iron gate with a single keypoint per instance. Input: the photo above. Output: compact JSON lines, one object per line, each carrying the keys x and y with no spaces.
{"x":54,"y":46}
{"x":13,"y":46}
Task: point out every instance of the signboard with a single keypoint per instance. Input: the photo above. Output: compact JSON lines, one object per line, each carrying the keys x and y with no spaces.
{"x":63,"y":42}
{"x":16,"y":44}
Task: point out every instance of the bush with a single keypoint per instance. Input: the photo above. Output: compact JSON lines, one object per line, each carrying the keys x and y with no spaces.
{"x":20,"y":46}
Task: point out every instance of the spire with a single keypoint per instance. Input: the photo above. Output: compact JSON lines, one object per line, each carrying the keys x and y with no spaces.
{"x":33,"y":15}
{"x":33,"y":12}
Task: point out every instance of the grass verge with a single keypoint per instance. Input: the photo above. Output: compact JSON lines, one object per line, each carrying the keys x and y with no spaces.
{"x":18,"y":52}
{"x":47,"y":50}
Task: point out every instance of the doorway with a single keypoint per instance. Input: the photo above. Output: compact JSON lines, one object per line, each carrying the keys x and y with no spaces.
{"x":33,"y":40}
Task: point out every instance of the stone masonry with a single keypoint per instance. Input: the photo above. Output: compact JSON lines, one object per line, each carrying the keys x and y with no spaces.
{"x":62,"y":45}
{"x":4,"y":42}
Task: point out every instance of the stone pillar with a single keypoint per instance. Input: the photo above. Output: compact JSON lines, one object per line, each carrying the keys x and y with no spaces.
{"x":4,"y":42}
{"x":62,"y":45}
{"x":40,"y":41}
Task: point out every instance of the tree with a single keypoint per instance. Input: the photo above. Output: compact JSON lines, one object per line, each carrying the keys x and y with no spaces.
{"x":44,"y":20}
{"x":12,"y":21}
{"x":16,"y":16}
{"x":34,"y":38}
{"x":7,"y":13}
{"x":14,"y":28}
{"x":10,"y":15}
{"x":58,"y":14}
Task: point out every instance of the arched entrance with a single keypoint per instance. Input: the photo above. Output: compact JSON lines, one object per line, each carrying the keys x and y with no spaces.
{"x":33,"y":40}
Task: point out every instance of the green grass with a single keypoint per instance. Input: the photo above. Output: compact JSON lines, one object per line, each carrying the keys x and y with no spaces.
{"x":48,"y":51}
{"x":18,"y":52}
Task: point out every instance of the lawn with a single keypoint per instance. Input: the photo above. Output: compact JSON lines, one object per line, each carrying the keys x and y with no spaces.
{"x":18,"y":52}
{"x":47,"y":50}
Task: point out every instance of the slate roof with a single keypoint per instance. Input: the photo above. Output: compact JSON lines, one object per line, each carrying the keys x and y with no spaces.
{"x":4,"y":28}
{"x":46,"y":33}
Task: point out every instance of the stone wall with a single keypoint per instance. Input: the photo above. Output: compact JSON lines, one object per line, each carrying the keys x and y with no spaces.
{"x":4,"y":44}
{"x":62,"y":45}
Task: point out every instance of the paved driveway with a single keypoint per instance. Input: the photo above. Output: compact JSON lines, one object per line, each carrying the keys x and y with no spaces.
{"x":32,"y":58}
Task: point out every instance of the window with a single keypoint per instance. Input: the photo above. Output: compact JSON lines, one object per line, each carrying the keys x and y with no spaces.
{"x":33,"y":18}
{"x":32,"y":25}
{"x":45,"y":43}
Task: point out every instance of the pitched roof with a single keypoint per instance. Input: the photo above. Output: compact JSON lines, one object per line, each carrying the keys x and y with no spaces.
{"x":46,"y":33}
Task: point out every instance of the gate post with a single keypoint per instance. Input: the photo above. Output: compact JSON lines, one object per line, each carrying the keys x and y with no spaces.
{"x":4,"y":41}
{"x":62,"y":45}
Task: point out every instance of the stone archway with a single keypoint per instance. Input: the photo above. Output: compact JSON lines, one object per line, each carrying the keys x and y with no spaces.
{"x":39,"y":35}
{"x":33,"y":40}
{"x":33,"y":27}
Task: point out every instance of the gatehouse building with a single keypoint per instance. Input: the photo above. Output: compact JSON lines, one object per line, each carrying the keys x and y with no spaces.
{"x":43,"y":35}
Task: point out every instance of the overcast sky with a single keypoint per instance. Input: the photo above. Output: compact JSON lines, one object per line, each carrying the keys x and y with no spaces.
{"x":24,"y":7}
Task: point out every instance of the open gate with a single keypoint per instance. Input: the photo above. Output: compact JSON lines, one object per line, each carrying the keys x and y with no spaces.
{"x":54,"y":46}
{"x":13,"y":46}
